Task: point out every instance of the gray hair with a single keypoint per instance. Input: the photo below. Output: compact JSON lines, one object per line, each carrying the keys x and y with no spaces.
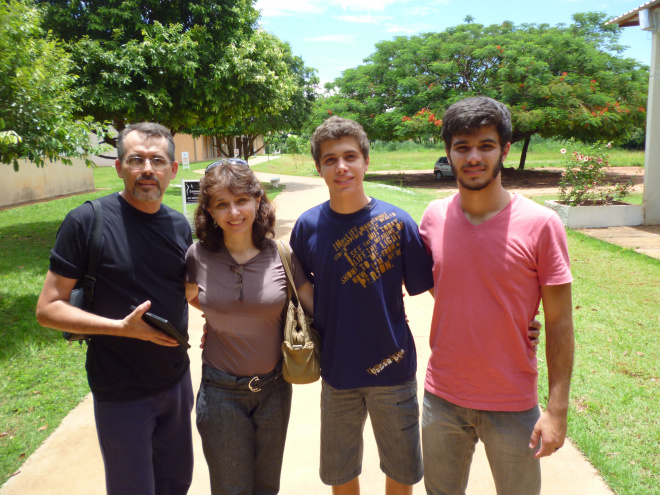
{"x":147,"y":130}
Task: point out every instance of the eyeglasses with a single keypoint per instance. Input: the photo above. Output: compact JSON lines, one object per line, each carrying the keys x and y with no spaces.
{"x":137,"y":162}
{"x":238,"y":271}
{"x":228,"y":161}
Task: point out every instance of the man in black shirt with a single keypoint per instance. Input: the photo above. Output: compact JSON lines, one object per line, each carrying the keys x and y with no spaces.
{"x":139,"y":376}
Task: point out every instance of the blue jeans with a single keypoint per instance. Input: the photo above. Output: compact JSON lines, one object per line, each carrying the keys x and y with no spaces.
{"x":394,"y":414}
{"x":449,"y":436}
{"x":147,"y":443}
{"x":243,"y":424}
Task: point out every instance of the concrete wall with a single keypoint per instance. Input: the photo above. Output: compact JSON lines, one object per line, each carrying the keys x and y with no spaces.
{"x":31,"y":183}
{"x":185,"y":142}
{"x":259,"y":143}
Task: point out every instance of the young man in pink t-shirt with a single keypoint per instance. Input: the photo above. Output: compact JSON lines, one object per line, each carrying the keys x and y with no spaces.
{"x":496,"y":256}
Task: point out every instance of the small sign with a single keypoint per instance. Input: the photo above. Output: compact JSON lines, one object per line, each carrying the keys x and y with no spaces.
{"x":185,"y":161}
{"x":236,"y":152}
{"x":189,"y":195}
{"x":191,"y":191}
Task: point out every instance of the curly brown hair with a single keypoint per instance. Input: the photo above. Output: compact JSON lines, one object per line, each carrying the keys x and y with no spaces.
{"x":238,"y":179}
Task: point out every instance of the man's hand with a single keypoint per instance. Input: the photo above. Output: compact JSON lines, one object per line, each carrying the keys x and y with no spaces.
{"x":135,"y":327}
{"x":534,"y":332}
{"x":550,"y":429}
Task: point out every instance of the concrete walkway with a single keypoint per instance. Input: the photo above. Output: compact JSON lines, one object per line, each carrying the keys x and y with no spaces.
{"x":644,"y":239}
{"x":69,"y":462}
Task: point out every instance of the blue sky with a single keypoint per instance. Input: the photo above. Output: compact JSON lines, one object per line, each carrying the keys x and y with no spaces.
{"x":334,"y":35}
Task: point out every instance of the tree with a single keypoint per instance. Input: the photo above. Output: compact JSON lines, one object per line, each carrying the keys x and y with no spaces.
{"x":168,"y":62}
{"x":560,"y":82}
{"x":275,"y":92}
{"x":37,"y":105}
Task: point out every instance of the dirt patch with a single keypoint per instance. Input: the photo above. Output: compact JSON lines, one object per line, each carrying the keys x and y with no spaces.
{"x":529,"y":182}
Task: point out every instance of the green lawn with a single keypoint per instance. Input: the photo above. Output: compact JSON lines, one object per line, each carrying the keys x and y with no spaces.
{"x":545,"y":153}
{"x":615,"y":398}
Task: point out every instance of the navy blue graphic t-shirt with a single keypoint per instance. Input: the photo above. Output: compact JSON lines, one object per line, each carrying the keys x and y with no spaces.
{"x":358,"y":263}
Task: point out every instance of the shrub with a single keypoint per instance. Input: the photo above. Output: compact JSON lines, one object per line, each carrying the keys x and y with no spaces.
{"x":583,"y":181}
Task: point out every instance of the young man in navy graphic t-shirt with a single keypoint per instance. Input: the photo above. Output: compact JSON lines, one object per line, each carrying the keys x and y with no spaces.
{"x":359,"y":251}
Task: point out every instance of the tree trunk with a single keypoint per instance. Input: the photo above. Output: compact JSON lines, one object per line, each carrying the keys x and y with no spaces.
{"x":523,"y":155}
{"x":247,"y":146}
{"x":219,"y":142}
{"x":244,"y":147}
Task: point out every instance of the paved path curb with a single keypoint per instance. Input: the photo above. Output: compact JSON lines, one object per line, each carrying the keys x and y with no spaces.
{"x":69,"y":462}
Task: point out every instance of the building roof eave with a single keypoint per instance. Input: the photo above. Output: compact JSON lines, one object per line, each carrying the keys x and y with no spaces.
{"x":632,"y":18}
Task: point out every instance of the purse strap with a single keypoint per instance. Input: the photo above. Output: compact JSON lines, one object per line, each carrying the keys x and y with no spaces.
{"x":285,"y":256}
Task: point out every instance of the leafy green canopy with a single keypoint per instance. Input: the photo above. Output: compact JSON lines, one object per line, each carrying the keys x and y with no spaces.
{"x":171,"y":62}
{"x":560,"y":82}
{"x":273,"y":86}
{"x":38,"y":110}
{"x":199,"y":67}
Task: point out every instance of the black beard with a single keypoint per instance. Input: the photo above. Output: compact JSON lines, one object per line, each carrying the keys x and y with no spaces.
{"x":479,"y":187}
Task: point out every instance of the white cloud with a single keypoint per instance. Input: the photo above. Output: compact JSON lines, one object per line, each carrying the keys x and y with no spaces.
{"x":408,"y":29}
{"x":276,"y":8}
{"x":421,"y":11}
{"x":332,"y":38}
{"x":364,"y":19}
{"x":364,"y":5}
{"x":296,"y":7}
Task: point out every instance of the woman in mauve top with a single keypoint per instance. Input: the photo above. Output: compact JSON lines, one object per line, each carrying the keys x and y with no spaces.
{"x":235,"y":276}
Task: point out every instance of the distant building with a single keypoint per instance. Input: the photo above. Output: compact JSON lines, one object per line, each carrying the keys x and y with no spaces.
{"x":205,"y":147}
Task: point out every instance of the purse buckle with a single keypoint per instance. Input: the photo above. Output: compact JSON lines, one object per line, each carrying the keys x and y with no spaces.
{"x":255,"y":387}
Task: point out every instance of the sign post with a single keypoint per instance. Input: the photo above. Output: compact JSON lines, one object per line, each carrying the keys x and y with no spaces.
{"x":189,"y":195}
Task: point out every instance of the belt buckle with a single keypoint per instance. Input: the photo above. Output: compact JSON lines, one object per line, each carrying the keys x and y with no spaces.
{"x":255,"y":387}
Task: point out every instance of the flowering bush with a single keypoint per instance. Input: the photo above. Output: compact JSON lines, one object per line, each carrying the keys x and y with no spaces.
{"x":583,"y":181}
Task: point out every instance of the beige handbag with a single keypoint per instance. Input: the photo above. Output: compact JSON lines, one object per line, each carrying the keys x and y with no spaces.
{"x":301,"y":348}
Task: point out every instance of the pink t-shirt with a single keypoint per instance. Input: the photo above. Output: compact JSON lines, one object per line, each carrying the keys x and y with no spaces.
{"x":488,"y":280}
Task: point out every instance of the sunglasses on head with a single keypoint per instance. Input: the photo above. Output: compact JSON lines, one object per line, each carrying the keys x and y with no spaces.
{"x":228,"y":161}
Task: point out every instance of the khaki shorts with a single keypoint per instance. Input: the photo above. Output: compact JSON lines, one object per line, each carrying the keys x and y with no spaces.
{"x":394,"y":414}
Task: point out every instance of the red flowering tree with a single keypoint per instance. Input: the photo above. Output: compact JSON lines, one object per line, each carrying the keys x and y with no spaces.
{"x":423,"y":125}
{"x":560,"y":82}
